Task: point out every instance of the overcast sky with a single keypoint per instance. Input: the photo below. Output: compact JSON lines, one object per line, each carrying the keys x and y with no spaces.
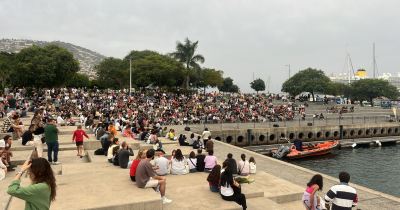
{"x":237,"y":37}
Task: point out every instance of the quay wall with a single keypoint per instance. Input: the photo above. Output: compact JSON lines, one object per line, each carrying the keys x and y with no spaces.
{"x":267,"y":136}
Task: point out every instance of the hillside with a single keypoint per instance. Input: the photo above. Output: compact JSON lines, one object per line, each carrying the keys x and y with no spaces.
{"x":87,"y":58}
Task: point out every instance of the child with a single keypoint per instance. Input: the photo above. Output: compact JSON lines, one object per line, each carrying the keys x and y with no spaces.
{"x":309,"y":199}
{"x":78,"y":138}
{"x":115,"y":155}
{"x":252,"y":164}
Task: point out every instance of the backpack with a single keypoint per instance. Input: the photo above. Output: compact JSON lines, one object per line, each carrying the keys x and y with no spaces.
{"x":99,"y":152}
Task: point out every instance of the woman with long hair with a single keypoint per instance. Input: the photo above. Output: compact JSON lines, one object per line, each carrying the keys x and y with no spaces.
{"x":140,"y":156}
{"x":115,"y":143}
{"x":178,"y":163}
{"x":231,"y":190}
{"x":192,"y":162}
{"x":43,"y":189}
{"x":214,"y":177}
{"x":309,"y":199}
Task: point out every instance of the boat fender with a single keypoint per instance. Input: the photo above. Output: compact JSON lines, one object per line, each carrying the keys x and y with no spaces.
{"x":354,"y":145}
{"x":378,"y":143}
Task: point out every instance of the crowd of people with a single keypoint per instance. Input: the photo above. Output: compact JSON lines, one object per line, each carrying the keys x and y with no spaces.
{"x":142,"y":117}
{"x":157,"y":108}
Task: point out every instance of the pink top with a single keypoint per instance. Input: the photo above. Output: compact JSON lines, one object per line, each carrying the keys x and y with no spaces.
{"x":210,"y":161}
{"x":310,"y":189}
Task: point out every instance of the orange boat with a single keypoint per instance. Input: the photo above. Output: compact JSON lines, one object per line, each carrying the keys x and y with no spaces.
{"x":312,"y":150}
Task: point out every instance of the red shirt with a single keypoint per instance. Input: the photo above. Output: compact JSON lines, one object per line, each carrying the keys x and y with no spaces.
{"x":134,"y":165}
{"x":78,"y":134}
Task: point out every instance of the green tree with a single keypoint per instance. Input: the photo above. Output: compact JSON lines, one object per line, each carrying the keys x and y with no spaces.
{"x":228,"y":86}
{"x":158,"y":70}
{"x":368,"y":89}
{"x":48,"y":66}
{"x":78,"y":80}
{"x":110,"y":72}
{"x":6,"y":65}
{"x":258,"y":85}
{"x":343,"y":90}
{"x":206,"y":77}
{"x":308,"y":80}
{"x":185,"y":53}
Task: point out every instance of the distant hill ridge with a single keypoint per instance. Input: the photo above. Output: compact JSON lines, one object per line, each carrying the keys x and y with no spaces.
{"x":87,"y":58}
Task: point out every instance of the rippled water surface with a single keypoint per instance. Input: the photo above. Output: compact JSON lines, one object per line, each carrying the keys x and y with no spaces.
{"x":377,"y":168}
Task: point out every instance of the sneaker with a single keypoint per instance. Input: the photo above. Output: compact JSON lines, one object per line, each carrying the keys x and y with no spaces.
{"x":51,"y":163}
{"x":247,"y":177}
{"x":166,"y":200}
{"x":158,"y":193}
{"x":251,"y":181}
{"x":57,"y":163}
{"x":20,"y":139}
{"x":78,"y":155}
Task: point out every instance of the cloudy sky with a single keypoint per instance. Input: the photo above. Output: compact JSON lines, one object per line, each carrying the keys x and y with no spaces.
{"x":237,"y":37}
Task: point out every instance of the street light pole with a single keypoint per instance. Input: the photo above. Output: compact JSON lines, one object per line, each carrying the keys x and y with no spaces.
{"x":289,"y":70}
{"x":130,"y":76}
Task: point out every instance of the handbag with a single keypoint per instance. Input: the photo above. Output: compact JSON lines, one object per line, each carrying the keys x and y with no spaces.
{"x":240,"y":171}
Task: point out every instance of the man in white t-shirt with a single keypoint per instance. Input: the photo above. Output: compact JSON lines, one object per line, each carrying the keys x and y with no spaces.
{"x":162,"y":163}
{"x":205,"y":135}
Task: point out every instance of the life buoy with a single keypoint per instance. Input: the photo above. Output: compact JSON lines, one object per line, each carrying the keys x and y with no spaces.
{"x":293,"y":148}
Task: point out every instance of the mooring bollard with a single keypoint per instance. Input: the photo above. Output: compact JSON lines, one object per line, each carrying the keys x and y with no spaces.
{"x":249,"y":137}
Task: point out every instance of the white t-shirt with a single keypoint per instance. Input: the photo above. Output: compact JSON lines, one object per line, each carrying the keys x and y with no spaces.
{"x":192,"y":161}
{"x":2,"y":143}
{"x":162,"y":162}
{"x":226,"y":191}
{"x":206,"y":134}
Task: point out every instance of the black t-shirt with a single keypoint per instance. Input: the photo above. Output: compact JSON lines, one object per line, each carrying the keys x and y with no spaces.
{"x":232,"y":165}
{"x":200,"y":162}
{"x":27,"y":137}
{"x":12,"y":102}
{"x":39,"y":130}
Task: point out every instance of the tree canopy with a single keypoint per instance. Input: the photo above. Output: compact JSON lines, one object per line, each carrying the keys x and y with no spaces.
{"x":308,"y":80}
{"x":368,"y":89}
{"x":206,"y":78}
{"x":185,"y":53}
{"x":48,"y":66}
{"x":111,"y":73}
{"x":228,"y":86}
{"x":258,"y":85}
{"x":158,"y":70}
{"x":78,"y":80}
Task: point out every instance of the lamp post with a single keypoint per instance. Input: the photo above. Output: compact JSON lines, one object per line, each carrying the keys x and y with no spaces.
{"x":130,"y":76}
{"x":289,"y":70}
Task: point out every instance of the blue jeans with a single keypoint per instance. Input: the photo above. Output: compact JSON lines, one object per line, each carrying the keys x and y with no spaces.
{"x":52,"y":147}
{"x":214,"y":188}
{"x":207,"y":170}
{"x":193,"y":170}
{"x":160,"y":144}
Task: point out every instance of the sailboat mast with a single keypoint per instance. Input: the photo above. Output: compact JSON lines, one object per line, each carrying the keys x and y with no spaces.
{"x":374,"y":61}
{"x":269,"y":82}
{"x":348,"y":61}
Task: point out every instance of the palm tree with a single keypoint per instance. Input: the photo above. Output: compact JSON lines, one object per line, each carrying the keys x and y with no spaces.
{"x":185,"y":53}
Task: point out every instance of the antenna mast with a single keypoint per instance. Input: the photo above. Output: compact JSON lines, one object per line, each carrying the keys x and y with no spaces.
{"x":348,"y":61}
{"x":374,"y":61}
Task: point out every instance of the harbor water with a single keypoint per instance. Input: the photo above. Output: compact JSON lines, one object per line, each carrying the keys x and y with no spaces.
{"x":377,"y":168}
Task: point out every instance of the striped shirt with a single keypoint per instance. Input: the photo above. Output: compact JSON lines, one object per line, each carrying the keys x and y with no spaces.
{"x":343,"y":197}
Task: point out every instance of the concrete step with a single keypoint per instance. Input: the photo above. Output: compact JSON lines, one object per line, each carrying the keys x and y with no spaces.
{"x":71,"y":188}
{"x":19,"y":157}
{"x":262,"y":203}
{"x":62,"y":147}
{"x":294,"y":205}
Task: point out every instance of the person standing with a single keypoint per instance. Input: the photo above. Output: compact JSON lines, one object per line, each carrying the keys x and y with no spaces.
{"x":209,"y":145}
{"x":342,"y":195}
{"x":12,"y":104}
{"x":51,"y":136}
{"x":205,"y":135}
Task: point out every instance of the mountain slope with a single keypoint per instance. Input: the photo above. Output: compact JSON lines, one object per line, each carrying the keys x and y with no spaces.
{"x":87,"y":58}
